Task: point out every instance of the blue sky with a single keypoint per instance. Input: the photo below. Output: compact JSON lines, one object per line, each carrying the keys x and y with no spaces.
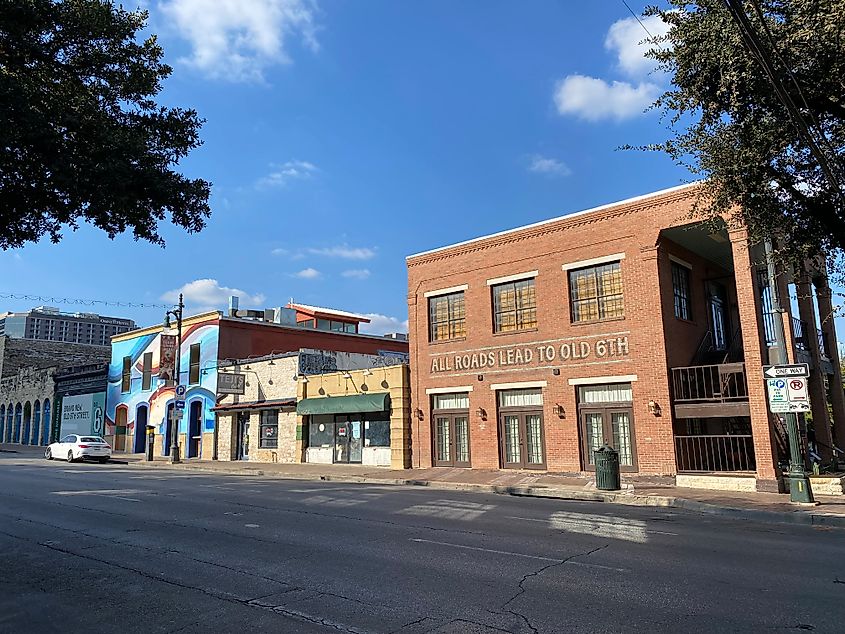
{"x":343,"y":136}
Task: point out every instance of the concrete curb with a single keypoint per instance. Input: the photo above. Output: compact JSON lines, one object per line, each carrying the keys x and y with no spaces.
{"x":626,"y":499}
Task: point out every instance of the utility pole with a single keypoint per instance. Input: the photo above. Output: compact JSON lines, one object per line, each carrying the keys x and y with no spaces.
{"x":799,"y":484}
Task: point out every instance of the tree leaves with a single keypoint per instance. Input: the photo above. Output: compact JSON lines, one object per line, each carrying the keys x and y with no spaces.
{"x":82,"y":138}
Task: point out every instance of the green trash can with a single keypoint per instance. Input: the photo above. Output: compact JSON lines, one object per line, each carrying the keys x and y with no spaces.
{"x":607,"y":469}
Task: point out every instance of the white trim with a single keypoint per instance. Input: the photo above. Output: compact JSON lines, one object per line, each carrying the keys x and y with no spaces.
{"x":512,"y":278}
{"x":446,"y":291}
{"x":590,"y":380}
{"x":580,"y":264}
{"x":518,"y":385}
{"x":448,"y":390}
{"x":678,"y":260}
{"x":574,"y":214}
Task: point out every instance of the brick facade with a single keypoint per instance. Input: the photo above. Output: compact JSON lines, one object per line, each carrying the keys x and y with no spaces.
{"x":646,"y":235}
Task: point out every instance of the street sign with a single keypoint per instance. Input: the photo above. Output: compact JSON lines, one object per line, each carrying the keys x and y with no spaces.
{"x":180,"y":390}
{"x":788,"y":395}
{"x":179,"y":404}
{"x":786,"y":370}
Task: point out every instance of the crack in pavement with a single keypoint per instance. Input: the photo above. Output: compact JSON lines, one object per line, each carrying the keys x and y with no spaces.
{"x":521,"y":589}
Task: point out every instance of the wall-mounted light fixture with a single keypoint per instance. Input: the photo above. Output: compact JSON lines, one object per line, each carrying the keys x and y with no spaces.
{"x":303,"y":378}
{"x":347,"y":375}
{"x":556,"y":371}
{"x":271,"y":362}
{"x":559,"y":411}
{"x":368,"y":372}
{"x":654,"y":407}
{"x":480,"y":377}
{"x":418,"y":414}
{"x":481,"y":412}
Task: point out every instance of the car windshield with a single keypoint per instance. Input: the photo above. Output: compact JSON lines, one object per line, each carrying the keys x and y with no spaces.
{"x":90,"y":439}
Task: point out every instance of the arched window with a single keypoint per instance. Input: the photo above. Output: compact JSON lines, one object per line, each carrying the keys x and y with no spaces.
{"x":10,"y":412}
{"x":45,"y":418}
{"x":2,"y":423}
{"x":18,"y":421}
{"x":37,"y":438}
{"x":26,"y":434}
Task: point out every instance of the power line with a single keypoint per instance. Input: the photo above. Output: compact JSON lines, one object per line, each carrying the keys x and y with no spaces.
{"x":75,"y":301}
{"x":637,"y":18}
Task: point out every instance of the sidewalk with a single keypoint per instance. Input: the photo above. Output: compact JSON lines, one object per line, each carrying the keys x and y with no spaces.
{"x":770,"y":508}
{"x":762,"y":507}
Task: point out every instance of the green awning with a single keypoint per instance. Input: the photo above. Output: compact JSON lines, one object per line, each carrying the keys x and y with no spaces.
{"x":344,"y":404}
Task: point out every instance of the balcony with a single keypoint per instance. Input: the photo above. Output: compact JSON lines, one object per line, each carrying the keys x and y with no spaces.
{"x":706,"y":391}
{"x":800,"y":332}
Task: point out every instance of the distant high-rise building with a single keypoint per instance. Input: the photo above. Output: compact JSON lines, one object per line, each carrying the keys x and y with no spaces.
{"x":47,"y":323}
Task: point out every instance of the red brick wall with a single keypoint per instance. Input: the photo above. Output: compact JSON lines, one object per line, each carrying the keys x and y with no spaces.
{"x":649,"y":325}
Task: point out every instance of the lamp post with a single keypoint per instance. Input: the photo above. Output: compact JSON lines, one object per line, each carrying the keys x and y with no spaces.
{"x":174,"y":417}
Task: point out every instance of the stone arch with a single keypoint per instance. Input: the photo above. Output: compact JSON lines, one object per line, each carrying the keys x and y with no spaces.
{"x":3,"y":423}
{"x":26,"y":428}
{"x":18,"y":419}
{"x":45,"y":420}
{"x":10,"y":412}
{"x":36,"y":424}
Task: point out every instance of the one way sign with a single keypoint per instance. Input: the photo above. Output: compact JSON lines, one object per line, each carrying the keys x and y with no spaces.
{"x":786,"y":371}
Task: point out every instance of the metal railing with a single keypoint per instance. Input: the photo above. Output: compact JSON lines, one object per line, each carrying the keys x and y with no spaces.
{"x":722,"y":383}
{"x":799,"y":333}
{"x":708,"y":453}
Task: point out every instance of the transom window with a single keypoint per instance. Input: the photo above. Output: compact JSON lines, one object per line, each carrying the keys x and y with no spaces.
{"x":446,"y":317}
{"x":680,"y":290}
{"x":596,"y":293}
{"x":514,"y":306}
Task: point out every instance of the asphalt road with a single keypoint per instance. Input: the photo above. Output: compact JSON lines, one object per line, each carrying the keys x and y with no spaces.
{"x":115,"y":548}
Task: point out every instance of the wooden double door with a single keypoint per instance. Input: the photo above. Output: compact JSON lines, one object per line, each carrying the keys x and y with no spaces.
{"x":613,"y":425}
{"x":522,"y":439}
{"x":451,"y":439}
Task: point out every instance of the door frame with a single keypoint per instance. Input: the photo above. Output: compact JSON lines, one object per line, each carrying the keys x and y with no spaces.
{"x":521,"y":412}
{"x":606,"y":409}
{"x":347,"y":420}
{"x":451,"y":414}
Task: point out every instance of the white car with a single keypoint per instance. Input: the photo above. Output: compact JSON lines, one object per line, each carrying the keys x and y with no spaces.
{"x":75,"y":447}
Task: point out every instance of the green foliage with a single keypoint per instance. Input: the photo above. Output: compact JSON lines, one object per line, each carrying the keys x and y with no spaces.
{"x":729,"y":126}
{"x":81,"y":137}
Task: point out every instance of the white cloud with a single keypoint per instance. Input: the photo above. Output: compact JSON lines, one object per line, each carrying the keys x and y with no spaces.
{"x":344,"y":251}
{"x":358,"y":274}
{"x":237,"y":40}
{"x":307,"y":274}
{"x":281,"y":175}
{"x":627,"y":40}
{"x":594,"y":99}
{"x":382,"y":324}
{"x":550,"y":166}
{"x":208,"y":293}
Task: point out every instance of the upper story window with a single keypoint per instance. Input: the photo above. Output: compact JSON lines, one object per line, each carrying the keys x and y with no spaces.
{"x":446,"y":317}
{"x":194,"y":365}
{"x":596,"y":292}
{"x":147,"y":371}
{"x":126,"y":375}
{"x":680,"y":291}
{"x":514,"y":306}
{"x":337,"y":326}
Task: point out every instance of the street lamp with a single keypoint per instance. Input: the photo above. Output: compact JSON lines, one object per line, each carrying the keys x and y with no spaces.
{"x":174,"y":417}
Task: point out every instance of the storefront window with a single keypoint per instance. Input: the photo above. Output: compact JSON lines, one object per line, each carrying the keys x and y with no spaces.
{"x":377,"y":431}
{"x":269,"y":429}
{"x":321,"y":431}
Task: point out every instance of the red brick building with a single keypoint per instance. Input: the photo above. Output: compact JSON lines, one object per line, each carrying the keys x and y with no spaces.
{"x":628,"y":323}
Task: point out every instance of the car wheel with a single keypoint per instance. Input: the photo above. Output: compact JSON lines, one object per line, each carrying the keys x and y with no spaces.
{"x":48,"y":454}
{"x":70,"y":456}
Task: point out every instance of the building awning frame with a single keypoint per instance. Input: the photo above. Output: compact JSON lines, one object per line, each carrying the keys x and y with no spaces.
{"x":357,"y":403}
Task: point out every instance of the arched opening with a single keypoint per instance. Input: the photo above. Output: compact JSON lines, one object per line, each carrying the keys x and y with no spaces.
{"x":141,"y":416}
{"x":2,"y":423}
{"x":120,"y":418}
{"x":37,"y":438}
{"x":45,"y":423}
{"x":195,"y":429}
{"x":26,"y":435}
{"x":168,"y":431}
{"x":10,"y":412}
{"x":18,"y":418}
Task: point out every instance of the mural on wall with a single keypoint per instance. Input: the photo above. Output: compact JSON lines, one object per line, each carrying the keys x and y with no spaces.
{"x":151,"y":405}
{"x":83,"y":414}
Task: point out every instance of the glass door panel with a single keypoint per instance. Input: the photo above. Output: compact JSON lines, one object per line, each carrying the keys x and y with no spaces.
{"x":341,"y":441}
{"x":461,"y":439}
{"x":593,"y":434}
{"x":443,"y":439}
{"x":621,"y":425}
{"x":510,"y":425}
{"x":355,"y":441}
{"x":534,"y":438}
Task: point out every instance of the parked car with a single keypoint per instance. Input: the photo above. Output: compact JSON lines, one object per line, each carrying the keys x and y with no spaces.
{"x":75,"y":447}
